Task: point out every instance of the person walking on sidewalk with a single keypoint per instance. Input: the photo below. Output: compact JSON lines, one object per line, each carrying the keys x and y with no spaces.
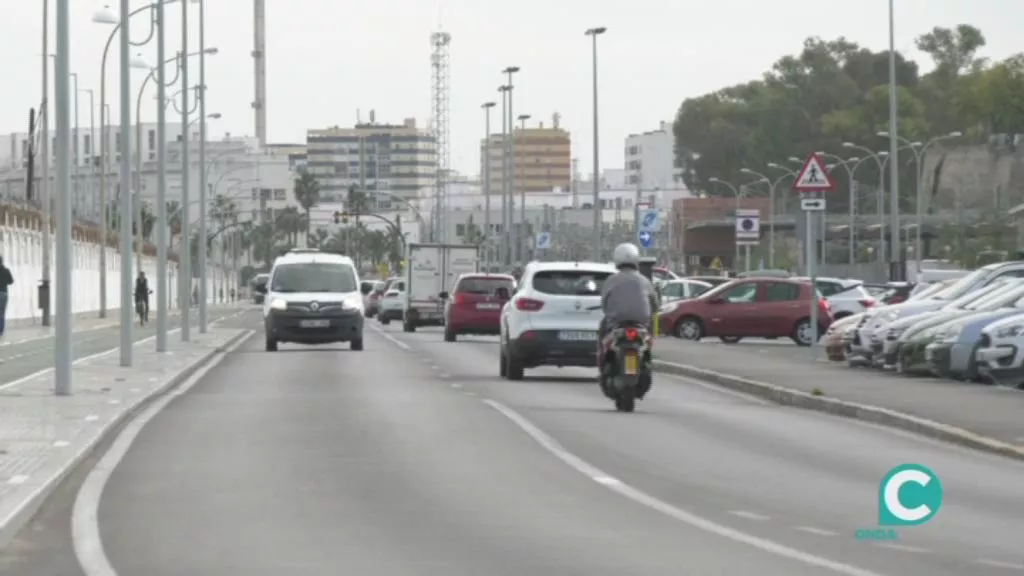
{"x":6,"y":279}
{"x":142,"y":293}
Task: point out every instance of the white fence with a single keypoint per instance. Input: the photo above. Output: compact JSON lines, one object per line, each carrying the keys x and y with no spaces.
{"x":22,"y":249}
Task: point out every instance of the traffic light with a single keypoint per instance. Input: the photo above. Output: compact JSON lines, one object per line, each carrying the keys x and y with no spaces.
{"x":344,"y":217}
{"x":337,"y":216}
{"x":340,"y":217}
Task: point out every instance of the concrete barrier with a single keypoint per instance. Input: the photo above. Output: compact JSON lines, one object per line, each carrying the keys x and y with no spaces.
{"x":21,"y":242}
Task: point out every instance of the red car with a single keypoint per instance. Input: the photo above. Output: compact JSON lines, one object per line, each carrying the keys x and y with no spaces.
{"x":750,"y":307}
{"x":474,"y":306}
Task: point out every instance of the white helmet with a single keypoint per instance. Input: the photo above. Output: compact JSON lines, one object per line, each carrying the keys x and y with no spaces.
{"x":626,"y":254}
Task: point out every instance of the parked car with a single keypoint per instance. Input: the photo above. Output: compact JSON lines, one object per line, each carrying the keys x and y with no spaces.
{"x":764,"y":274}
{"x":1000,"y":354}
{"x":914,"y":342}
{"x":846,"y":297}
{"x":713,"y":280}
{"x":835,"y":347}
{"x":474,"y":306}
{"x":754,"y":307}
{"x":257,"y":285}
{"x":858,"y":341}
{"x":682,"y":289}
{"x":895,"y":292}
{"x":952,"y":353}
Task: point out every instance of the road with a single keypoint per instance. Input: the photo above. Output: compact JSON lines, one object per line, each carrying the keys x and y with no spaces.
{"x":413,"y":458}
{"x":20,"y":359}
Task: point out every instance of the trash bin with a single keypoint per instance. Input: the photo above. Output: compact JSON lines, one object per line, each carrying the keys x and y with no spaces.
{"x":43,"y":294}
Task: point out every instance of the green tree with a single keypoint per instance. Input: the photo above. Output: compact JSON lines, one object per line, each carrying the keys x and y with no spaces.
{"x":307,"y":193}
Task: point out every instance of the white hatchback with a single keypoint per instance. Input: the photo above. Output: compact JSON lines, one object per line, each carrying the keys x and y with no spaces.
{"x":553,"y":317}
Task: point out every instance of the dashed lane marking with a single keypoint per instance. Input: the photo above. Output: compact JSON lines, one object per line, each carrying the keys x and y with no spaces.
{"x":1000,"y":564}
{"x":903,"y":547}
{"x":816,"y":531}
{"x":749,"y":515}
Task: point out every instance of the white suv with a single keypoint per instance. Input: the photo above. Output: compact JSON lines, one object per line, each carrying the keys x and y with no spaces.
{"x":553,"y":318}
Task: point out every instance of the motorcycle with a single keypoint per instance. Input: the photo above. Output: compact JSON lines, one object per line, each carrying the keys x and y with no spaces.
{"x":624,"y":363}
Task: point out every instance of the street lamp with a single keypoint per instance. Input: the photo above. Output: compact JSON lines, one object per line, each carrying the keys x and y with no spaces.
{"x":771,"y":213}
{"x":594,"y":33}
{"x":509,"y":166}
{"x":877,"y":157}
{"x":736,"y":194}
{"x":485,"y":152}
{"x":105,"y":15}
{"x":523,"y":228}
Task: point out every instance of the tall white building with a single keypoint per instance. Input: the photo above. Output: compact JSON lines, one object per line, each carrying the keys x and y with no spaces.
{"x":650,"y":159}
{"x":86,"y":143}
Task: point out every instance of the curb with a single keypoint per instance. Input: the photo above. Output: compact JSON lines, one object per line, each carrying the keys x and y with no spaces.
{"x":28,"y":509}
{"x":875,"y":414}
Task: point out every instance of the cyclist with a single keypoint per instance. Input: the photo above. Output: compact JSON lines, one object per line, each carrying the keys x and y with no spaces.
{"x":142,"y":293}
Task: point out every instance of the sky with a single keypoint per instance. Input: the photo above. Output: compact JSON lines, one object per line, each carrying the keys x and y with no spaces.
{"x":328,"y":59}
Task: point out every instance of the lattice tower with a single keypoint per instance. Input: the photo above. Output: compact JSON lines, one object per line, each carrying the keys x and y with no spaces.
{"x":441,"y":104}
{"x":259,"y":60}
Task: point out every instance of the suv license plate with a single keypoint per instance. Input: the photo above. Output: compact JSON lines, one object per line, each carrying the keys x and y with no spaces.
{"x":314,"y":323}
{"x":578,"y":336}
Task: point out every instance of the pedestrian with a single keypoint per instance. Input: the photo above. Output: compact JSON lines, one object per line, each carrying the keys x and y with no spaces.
{"x":6,"y":279}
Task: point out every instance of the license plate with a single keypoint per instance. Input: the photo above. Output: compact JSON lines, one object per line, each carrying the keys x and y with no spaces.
{"x":630,"y":364}
{"x":487,"y":306}
{"x":314,"y":323}
{"x":578,"y":336}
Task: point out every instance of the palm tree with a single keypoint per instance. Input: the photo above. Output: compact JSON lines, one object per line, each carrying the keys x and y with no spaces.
{"x":307,"y":194}
{"x":474,"y":236}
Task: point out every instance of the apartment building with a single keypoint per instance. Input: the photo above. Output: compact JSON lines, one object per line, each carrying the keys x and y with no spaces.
{"x":650,"y":159}
{"x":396,"y":160}
{"x":542,"y":158}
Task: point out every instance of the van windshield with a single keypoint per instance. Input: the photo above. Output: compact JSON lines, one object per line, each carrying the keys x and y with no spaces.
{"x":314,"y":277}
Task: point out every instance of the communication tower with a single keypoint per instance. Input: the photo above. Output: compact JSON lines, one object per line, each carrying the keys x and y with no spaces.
{"x":259,"y":60}
{"x":441,"y":104}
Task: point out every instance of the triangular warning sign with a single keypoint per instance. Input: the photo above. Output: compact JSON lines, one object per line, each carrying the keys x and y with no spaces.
{"x":716,"y":264}
{"x":814,"y":177}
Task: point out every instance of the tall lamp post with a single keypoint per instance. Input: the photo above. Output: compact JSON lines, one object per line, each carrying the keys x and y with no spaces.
{"x":594,"y":33}
{"x":771,"y":213}
{"x":510,"y":152}
{"x":107,"y":16}
{"x":485,"y":154}
{"x":202,"y":168}
{"x":851,"y":190}
{"x":878,"y":158}
{"x":522,"y":191}
{"x":65,"y":276}
{"x":506,"y":234}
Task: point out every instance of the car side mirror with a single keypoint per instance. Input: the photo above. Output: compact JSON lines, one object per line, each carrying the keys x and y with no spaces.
{"x":443,"y":295}
{"x":716,"y":300}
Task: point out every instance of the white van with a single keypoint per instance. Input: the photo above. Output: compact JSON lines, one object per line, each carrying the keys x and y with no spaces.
{"x":313,"y":297}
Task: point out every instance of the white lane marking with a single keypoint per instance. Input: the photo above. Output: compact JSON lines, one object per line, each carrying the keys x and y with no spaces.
{"x":749,"y":515}
{"x":391,"y":338}
{"x":61,"y":444}
{"x":470,"y":393}
{"x":720,"y":390}
{"x":447,"y":375}
{"x":998,"y":564}
{"x":435,"y":367}
{"x":115,"y":402}
{"x":903,"y":548}
{"x":19,"y":479}
{"x":456,"y":386}
{"x":644,"y":499}
{"x":85,"y":528}
{"x":817,"y":531}
{"x":606,"y":480}
{"x":92,"y":418}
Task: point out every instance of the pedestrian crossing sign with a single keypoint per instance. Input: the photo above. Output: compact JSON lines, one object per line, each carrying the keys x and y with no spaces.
{"x":716,"y":264}
{"x":814,"y":176}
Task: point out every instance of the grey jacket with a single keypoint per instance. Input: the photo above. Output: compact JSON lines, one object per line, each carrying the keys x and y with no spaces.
{"x":628,"y":296}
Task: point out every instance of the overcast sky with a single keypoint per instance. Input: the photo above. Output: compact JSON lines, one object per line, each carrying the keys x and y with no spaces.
{"x":326,"y":59}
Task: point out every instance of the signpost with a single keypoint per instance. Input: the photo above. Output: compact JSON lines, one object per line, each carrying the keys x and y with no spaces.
{"x":748,"y":230}
{"x":646,"y":226}
{"x":543,"y":241}
{"x":813,"y":180}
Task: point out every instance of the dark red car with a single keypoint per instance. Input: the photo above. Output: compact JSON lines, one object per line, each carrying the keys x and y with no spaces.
{"x":750,"y":307}
{"x":474,"y":306}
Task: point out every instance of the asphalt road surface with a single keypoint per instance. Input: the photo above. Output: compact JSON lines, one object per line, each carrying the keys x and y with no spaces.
{"x":413,"y":458}
{"x":21,"y":359}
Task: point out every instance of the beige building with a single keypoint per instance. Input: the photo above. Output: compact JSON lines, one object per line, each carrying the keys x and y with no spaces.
{"x":397,"y":159}
{"x":542,"y":159}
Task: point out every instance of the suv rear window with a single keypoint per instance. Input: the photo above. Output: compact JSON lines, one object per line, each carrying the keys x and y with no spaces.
{"x":483,"y":285}
{"x":567,"y":282}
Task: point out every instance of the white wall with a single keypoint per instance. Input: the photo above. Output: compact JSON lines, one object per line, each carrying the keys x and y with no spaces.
{"x":21,"y":248}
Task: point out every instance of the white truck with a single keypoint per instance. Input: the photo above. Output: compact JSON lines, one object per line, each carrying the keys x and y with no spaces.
{"x":430,"y":270}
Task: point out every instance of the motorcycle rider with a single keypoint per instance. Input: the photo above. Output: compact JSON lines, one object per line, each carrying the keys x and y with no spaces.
{"x":627,"y":296}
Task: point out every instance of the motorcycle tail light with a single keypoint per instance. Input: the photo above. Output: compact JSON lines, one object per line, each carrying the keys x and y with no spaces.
{"x":631,"y":334}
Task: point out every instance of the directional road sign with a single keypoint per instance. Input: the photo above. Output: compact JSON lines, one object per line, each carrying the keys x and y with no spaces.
{"x":748,"y":224}
{"x":543,"y":241}
{"x":646,"y":238}
{"x":814,"y":176}
{"x":812,"y":204}
{"x":648,"y":220}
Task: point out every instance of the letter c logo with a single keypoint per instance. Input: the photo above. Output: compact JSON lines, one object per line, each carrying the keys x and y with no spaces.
{"x":897,"y":507}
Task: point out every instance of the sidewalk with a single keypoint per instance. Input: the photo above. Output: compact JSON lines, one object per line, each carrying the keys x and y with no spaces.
{"x":43,"y":437}
{"x":983,"y":417}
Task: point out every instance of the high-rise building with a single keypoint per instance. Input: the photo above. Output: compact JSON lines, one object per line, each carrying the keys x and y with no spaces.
{"x":392,"y":159}
{"x":650,"y":159}
{"x":542,"y":159}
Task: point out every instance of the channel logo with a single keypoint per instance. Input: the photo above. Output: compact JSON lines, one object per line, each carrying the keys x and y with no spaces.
{"x":909,"y":495}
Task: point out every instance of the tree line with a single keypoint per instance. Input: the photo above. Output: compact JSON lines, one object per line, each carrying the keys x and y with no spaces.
{"x":836,"y":91}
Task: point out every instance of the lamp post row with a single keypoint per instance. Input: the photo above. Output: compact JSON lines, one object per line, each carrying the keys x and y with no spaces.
{"x":64,"y":165}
